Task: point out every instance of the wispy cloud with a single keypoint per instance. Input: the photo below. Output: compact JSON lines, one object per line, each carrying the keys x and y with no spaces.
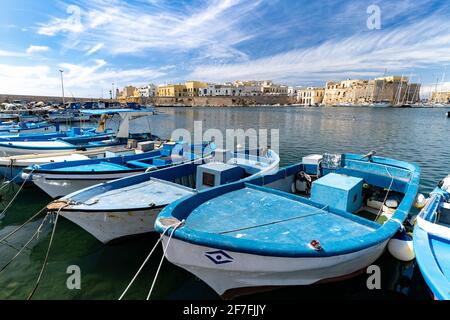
{"x":6,"y":53}
{"x":72,"y":24}
{"x":399,"y":49}
{"x":133,"y":28}
{"x":95,"y":48}
{"x":80,"y":80}
{"x":36,"y":49}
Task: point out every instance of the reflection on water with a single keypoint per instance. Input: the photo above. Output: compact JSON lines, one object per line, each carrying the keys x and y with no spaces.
{"x":417,"y":135}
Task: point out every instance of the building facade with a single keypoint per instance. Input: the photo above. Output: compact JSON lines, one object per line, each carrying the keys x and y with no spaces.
{"x":194,"y":88}
{"x":147,"y":91}
{"x":172,"y":90}
{"x":393,"y":89}
{"x":311,"y":96}
{"x":440,"y":97}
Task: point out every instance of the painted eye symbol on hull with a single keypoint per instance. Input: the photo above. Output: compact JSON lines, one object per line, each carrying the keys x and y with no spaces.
{"x":219,"y":257}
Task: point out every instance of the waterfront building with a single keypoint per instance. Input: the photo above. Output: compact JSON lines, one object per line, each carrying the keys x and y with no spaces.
{"x":194,"y":88}
{"x":440,"y":97}
{"x":392,"y":89}
{"x":128,"y":91}
{"x":275,"y":89}
{"x":172,"y":90}
{"x":293,"y":91}
{"x":147,"y":91}
{"x":311,"y":96}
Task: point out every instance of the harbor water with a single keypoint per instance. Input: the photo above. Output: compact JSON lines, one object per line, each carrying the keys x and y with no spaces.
{"x":415,"y":135}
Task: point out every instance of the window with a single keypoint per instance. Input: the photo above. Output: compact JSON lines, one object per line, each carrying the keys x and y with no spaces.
{"x":208,"y":179}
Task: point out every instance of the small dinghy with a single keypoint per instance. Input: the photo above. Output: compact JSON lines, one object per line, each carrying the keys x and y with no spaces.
{"x":307,"y":223}
{"x":129,"y":206}
{"x":62,"y":178}
{"x":432,"y":241}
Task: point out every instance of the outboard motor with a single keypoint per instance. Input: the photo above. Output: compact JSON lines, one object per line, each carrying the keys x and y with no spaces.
{"x":302,"y":183}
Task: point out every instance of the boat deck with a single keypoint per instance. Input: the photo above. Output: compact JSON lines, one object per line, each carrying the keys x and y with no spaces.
{"x":266,"y":217}
{"x":102,"y":166}
{"x":141,"y":195}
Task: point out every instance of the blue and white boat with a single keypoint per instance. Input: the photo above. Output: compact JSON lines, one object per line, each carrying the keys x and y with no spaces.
{"x":74,"y":135}
{"x":129,"y":206}
{"x":432,"y":241}
{"x":27,"y":128}
{"x":67,"y":116}
{"x":62,"y":178}
{"x":307,"y":223}
{"x":121,"y":138}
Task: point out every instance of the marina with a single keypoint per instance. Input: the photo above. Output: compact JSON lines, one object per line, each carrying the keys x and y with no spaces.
{"x":82,"y":227}
{"x":213,"y":158}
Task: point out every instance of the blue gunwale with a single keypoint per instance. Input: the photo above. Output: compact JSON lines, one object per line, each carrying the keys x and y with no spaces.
{"x":180,"y":209}
{"x":120,"y":163}
{"x":426,"y":256}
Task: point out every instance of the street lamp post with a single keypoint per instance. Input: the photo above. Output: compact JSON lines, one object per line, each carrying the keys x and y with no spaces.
{"x":62,"y":86}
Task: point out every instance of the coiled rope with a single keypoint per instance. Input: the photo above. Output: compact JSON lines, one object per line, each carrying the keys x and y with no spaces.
{"x":175,"y":226}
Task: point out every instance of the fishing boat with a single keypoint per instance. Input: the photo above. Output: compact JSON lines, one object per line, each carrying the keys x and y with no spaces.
{"x":27,"y":128}
{"x":74,"y":134}
{"x":310,"y":222}
{"x":121,"y":138}
{"x":62,"y":178}
{"x":106,"y":212}
{"x":432,"y":241}
{"x":67,"y":116}
{"x":11,"y":167}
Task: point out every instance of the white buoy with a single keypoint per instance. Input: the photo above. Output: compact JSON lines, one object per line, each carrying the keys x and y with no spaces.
{"x":401,"y":246}
{"x":420,"y":201}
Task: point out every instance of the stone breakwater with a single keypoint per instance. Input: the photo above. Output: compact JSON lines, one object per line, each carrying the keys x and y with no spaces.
{"x":170,"y":101}
{"x":27,"y":98}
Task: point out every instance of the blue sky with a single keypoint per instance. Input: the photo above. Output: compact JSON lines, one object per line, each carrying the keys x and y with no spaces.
{"x":97,"y":42}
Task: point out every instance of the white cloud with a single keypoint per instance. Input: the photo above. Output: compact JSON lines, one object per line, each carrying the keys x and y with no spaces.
{"x":72,"y":24}
{"x":399,"y":49}
{"x":427,"y":90}
{"x":95,"y":48}
{"x":132,"y":28}
{"x":36,"y":49}
{"x":79,"y":80}
{"x":5,"y":53}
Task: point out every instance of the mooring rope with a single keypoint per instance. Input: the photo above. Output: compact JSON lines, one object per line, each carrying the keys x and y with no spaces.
{"x":47,"y":254}
{"x":147,"y":258}
{"x":2,"y":215}
{"x":25,"y":245}
{"x":7,"y":183}
{"x":387,"y":194}
{"x":163,"y":256}
{"x":22,"y":225}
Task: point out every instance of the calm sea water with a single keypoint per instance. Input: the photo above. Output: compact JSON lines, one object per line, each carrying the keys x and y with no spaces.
{"x":416,"y":135}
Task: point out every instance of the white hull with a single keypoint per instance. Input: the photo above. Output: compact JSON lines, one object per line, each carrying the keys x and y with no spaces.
{"x":59,"y":185}
{"x":5,"y":151}
{"x":107,"y":226}
{"x":4,"y":132}
{"x":250,"y":270}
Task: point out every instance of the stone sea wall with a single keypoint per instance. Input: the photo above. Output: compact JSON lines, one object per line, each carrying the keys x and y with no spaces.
{"x":169,"y":101}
